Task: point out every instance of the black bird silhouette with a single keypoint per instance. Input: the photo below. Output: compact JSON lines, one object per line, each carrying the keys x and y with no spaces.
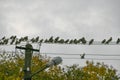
{"x":71,"y":41}
{"x":83,"y":40}
{"x":109,"y":40}
{"x":75,"y":41}
{"x":50,"y":39}
{"x":13,"y":40}
{"x":0,"y":43}
{"x":14,"y":37}
{"x":37,"y":39}
{"x":91,"y":41}
{"x":26,"y":38}
{"x":61,"y":41}
{"x":32,"y":40}
{"x":11,"y":37}
{"x":79,"y":40}
{"x":82,"y":56}
{"x":21,"y":39}
{"x":41,"y":41}
{"x":17,"y":42}
{"x":56,"y":39}
{"x":118,"y":40}
{"x":3,"y":38}
{"x":46,"y":41}
{"x":103,"y":41}
{"x":67,"y":41}
{"x":6,"y":41}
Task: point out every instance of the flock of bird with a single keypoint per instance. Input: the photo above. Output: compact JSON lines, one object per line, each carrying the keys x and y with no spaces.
{"x":13,"y":40}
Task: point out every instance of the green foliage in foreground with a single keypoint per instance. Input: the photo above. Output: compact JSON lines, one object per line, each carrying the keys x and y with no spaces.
{"x":11,"y":69}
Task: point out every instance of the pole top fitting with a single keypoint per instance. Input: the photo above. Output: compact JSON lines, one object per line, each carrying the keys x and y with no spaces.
{"x":29,"y":46}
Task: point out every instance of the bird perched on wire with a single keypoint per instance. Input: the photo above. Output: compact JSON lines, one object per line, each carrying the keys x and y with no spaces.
{"x":91,"y":41}
{"x":13,"y":38}
{"x":66,"y":41}
{"x":3,"y":38}
{"x":79,"y":40}
{"x":17,"y":42}
{"x":103,"y":41}
{"x":61,"y":41}
{"x":118,"y":40}
{"x":6,"y":41}
{"x":46,"y":41}
{"x":82,"y":56}
{"x":71,"y":41}
{"x":37,"y":39}
{"x":32,"y":40}
{"x":75,"y":41}
{"x":51,"y":39}
{"x":109,"y":40}
{"x":56,"y":39}
{"x":83,"y":40}
{"x":41,"y":40}
{"x":26,"y":38}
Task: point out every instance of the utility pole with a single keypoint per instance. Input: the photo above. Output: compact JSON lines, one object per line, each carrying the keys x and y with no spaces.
{"x":27,"y":61}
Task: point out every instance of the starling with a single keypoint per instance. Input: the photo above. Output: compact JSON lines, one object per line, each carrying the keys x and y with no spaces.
{"x":56,"y":39}
{"x":32,"y":40}
{"x":37,"y":39}
{"x":79,"y":41}
{"x":83,"y":40}
{"x":67,"y":41}
{"x":61,"y":41}
{"x":71,"y":41}
{"x":13,"y":40}
{"x":118,"y":40}
{"x":21,"y":39}
{"x":11,"y":37}
{"x":14,"y":37}
{"x":109,"y":40}
{"x":3,"y":38}
{"x":82,"y":56}
{"x":50,"y":39}
{"x":75,"y":41}
{"x":6,"y":41}
{"x":17,"y":42}
{"x":41,"y":41}
{"x":26,"y":38}
{"x":91,"y":41}
{"x":46,"y":41}
{"x":103,"y":41}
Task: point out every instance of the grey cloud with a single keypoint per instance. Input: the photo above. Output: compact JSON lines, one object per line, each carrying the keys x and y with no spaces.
{"x":44,"y":14}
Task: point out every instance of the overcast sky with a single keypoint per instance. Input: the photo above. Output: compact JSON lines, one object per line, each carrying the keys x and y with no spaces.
{"x":96,"y":19}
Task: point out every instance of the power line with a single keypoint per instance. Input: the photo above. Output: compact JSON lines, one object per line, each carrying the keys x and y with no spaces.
{"x":89,"y":58}
{"x":87,"y":43}
{"x":81,"y":54}
{"x":76,"y":57}
{"x":66,"y":53}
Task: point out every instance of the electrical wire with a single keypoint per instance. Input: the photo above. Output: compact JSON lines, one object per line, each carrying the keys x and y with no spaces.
{"x":88,"y":58}
{"x":68,"y":54}
{"x":81,"y":54}
{"x":87,"y":43}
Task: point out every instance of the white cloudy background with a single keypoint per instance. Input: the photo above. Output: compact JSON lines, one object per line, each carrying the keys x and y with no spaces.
{"x":96,"y":19}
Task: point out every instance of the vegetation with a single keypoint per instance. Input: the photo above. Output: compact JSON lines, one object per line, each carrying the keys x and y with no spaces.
{"x":11,"y":69}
